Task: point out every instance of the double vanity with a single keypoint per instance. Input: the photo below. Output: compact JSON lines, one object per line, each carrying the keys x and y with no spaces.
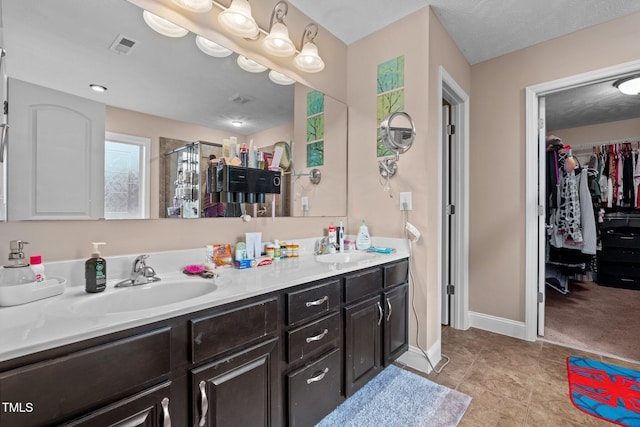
{"x":278,"y":345}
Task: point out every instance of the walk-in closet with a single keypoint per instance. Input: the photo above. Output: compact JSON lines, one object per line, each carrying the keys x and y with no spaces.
{"x":592,"y":221}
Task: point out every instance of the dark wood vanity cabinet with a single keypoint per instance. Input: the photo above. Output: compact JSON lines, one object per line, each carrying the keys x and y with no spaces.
{"x":238,"y":384}
{"x":286,"y":358}
{"x":375,"y":320}
{"x":237,"y":390}
{"x":146,"y":409}
{"x":313,"y":365}
{"x":58,"y":389}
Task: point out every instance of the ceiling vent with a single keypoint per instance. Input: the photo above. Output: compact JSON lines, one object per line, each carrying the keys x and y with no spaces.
{"x":238,"y":98}
{"x":123,"y":45}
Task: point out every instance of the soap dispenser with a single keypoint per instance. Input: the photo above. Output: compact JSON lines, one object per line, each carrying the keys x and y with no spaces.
{"x":18,"y":271}
{"x":95,"y":270}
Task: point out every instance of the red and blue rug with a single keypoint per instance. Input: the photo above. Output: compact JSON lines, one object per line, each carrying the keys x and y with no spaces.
{"x":606,"y":391}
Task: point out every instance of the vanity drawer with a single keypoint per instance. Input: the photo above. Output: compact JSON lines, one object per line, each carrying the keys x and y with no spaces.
{"x":315,"y":390}
{"x":69,"y":386}
{"x":313,"y":338}
{"x":362,"y":284}
{"x":396,"y":274}
{"x":312,"y":302}
{"x":212,"y":335}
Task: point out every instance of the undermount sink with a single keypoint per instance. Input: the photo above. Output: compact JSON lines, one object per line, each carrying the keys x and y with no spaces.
{"x":142,"y":297}
{"x":345,"y":257}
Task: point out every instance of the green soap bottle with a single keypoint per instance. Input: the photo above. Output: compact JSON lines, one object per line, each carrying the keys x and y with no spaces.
{"x":95,"y":270}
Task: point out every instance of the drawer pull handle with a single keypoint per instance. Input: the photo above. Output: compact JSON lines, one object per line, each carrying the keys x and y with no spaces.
{"x":390,"y":309}
{"x":627,"y":237}
{"x":380,"y":312}
{"x":318,"y":301}
{"x":318,"y":377}
{"x":318,"y":337}
{"x":204,"y":403}
{"x":166,"y":418}
{"x":627,"y":280}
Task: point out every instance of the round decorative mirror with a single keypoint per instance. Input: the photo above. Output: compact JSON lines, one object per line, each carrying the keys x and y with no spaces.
{"x":397,"y":132}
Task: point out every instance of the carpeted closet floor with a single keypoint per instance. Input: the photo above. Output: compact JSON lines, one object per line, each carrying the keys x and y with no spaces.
{"x":593,"y":317}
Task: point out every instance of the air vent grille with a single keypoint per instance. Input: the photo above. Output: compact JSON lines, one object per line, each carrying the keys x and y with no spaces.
{"x":123,"y":45}
{"x":240,"y":99}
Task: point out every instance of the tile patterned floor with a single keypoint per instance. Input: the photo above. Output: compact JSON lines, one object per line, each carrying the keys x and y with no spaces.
{"x":513,"y":382}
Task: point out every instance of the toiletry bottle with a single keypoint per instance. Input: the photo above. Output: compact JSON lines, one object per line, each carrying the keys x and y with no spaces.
{"x":95,"y":271}
{"x":276,"y":250}
{"x":332,"y":235}
{"x":341,"y":237}
{"x":37,"y":267}
{"x":363,"y":242}
{"x":244,"y":155}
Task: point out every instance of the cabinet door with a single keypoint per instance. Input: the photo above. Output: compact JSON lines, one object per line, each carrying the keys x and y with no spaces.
{"x":396,"y":323}
{"x":238,"y":390}
{"x":76,"y":384}
{"x":147,"y":409}
{"x":362,"y":343}
{"x":315,"y":390}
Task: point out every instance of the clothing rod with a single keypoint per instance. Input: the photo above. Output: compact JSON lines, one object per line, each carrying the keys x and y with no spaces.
{"x":578,"y":150}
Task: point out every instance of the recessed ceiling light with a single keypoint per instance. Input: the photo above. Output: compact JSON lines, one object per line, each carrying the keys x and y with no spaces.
{"x":98,"y":88}
{"x":236,"y":123}
{"x":629,"y":85}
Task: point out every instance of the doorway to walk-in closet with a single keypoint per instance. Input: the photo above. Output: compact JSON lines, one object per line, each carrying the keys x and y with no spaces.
{"x":589,"y":223}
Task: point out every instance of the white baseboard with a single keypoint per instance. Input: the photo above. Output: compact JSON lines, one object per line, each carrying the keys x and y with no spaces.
{"x":498,"y":325}
{"x":414,"y":358}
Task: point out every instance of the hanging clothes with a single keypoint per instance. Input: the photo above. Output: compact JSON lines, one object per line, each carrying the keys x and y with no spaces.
{"x":636,"y":180}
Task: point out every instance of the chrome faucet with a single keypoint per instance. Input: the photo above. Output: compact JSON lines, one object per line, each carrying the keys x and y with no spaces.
{"x":140,"y":274}
{"x":324,"y":246}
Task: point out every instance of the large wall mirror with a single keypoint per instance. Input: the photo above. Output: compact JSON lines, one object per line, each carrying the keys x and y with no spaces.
{"x":163,"y":95}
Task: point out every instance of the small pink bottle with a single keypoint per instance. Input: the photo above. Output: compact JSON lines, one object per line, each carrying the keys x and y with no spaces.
{"x":35,"y":263}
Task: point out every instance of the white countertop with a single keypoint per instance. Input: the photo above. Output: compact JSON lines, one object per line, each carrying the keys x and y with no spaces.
{"x":56,"y":321}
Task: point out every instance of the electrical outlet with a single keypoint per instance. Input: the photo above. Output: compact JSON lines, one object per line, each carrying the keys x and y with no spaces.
{"x":305,"y":203}
{"x":405,"y":201}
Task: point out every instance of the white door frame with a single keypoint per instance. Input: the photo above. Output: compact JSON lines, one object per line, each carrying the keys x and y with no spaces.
{"x":534,"y":236}
{"x":450,"y":90}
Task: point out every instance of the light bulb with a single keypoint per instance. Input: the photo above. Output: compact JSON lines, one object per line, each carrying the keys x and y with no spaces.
{"x":163,"y":26}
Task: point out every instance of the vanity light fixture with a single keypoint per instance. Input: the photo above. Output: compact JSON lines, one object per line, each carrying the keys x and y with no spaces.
{"x":212,"y":48}
{"x":236,"y":123}
{"x":308,"y":59}
{"x":277,"y":41}
{"x":280,"y":79}
{"x":163,"y":26}
{"x":250,"y":65}
{"x":98,"y":88}
{"x":197,"y":6}
{"x":629,"y":85}
{"x":238,"y":21}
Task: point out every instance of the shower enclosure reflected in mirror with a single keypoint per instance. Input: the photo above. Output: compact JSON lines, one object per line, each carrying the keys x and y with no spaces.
{"x":159,"y":87}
